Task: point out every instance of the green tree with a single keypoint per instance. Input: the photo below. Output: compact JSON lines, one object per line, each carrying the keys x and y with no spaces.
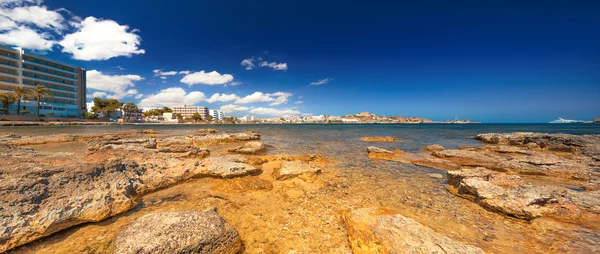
{"x":25,"y":111}
{"x":196,"y":116}
{"x":129,"y":108}
{"x":51,"y":114}
{"x":20,"y":93}
{"x":179,"y":116}
{"x":88,"y":115}
{"x":40,"y":92}
{"x":167,"y":110}
{"x":209,"y":118}
{"x":106,"y":106}
{"x":6,"y":99}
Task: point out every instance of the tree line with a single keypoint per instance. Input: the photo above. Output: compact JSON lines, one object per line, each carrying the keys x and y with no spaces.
{"x":20,"y":93}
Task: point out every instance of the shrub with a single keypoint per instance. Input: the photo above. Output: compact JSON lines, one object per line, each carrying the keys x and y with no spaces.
{"x":88,"y":115}
{"x":42,"y":115}
{"x":25,"y":111}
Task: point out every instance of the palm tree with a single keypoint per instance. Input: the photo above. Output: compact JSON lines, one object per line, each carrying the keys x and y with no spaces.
{"x":20,"y":92}
{"x":40,"y":92}
{"x":6,"y":99}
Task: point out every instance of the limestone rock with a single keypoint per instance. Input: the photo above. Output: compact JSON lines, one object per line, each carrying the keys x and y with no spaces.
{"x":374,"y":149}
{"x":186,"y":151}
{"x":187,"y":231}
{"x":122,"y":143}
{"x":208,"y":139}
{"x":372,"y":230}
{"x":227,"y":166}
{"x":378,"y":139}
{"x":433,"y":148}
{"x":291,"y":169}
{"x":149,"y":132}
{"x":253,"y":147}
{"x":206,"y":131}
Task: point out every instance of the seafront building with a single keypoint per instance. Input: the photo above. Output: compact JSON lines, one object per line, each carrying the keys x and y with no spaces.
{"x":187,"y":111}
{"x":67,"y":83}
{"x":217,"y":114}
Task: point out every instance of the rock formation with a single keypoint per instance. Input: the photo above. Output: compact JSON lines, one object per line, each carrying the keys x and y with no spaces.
{"x":380,"y":230}
{"x":378,"y":139}
{"x":253,"y":147}
{"x":186,"y":231}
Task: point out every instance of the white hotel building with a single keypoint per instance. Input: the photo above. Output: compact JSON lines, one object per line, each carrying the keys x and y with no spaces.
{"x":187,"y":111}
{"x":67,"y":83}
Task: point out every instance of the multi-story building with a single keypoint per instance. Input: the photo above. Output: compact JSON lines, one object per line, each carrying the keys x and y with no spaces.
{"x":67,"y":83}
{"x":187,"y":111}
{"x":217,"y":114}
{"x":248,"y":119}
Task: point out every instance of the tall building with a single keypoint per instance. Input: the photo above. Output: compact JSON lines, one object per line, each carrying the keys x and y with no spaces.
{"x":67,"y":83}
{"x":187,"y":111}
{"x":217,"y":114}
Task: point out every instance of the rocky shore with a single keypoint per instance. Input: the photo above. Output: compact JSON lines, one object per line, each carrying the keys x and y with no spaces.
{"x":212,"y":191}
{"x":521,"y":175}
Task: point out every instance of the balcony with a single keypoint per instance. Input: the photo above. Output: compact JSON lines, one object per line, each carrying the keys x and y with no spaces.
{"x":29,"y":60}
{"x":40,"y":79}
{"x":63,"y":97}
{"x":9,"y":73}
{"x":57,"y":89}
{"x":8,"y":57}
{"x":48,"y":74}
{"x":8,"y":81}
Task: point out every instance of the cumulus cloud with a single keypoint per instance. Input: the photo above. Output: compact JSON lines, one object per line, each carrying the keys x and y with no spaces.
{"x":185,"y":72}
{"x":321,"y":82}
{"x":248,"y":63}
{"x":159,"y":72}
{"x":217,"y":97}
{"x":97,"y":94}
{"x":170,"y":97}
{"x":274,"y":65}
{"x":275,"y":98}
{"x":99,"y":39}
{"x":26,"y":37}
{"x":274,"y":112}
{"x":36,"y":15}
{"x":232,"y":107}
{"x":118,"y":86}
{"x":207,"y":78}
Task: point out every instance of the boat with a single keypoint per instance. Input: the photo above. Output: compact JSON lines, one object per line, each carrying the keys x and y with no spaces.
{"x":562,"y":120}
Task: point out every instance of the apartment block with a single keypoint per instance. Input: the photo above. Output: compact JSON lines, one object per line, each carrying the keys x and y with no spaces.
{"x":67,"y":83}
{"x":187,"y":111}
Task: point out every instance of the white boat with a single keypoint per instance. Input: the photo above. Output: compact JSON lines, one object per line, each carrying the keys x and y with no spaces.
{"x":562,"y":120}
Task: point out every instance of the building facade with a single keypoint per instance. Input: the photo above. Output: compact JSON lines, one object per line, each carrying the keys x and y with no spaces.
{"x":217,"y":114}
{"x":188,"y":111}
{"x":67,"y":83}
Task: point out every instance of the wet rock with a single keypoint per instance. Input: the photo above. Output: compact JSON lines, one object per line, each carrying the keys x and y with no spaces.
{"x":53,"y":139}
{"x":372,"y":230}
{"x":436,"y":176}
{"x":122,"y":143}
{"x":208,"y":139}
{"x":254,"y":147}
{"x":206,"y":131}
{"x":186,"y":151}
{"x":291,"y":169}
{"x":585,"y":144}
{"x":378,"y":139}
{"x":187,"y":231}
{"x":149,"y":132}
{"x":227,"y":166}
{"x":374,"y":149}
{"x":456,"y":176}
{"x":433,"y":148}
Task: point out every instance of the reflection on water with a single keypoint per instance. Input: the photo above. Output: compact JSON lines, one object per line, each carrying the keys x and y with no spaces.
{"x":305,"y":217}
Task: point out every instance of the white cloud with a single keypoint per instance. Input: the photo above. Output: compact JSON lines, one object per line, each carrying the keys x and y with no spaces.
{"x":97,"y":94}
{"x":232,"y":107}
{"x":163,"y":77}
{"x":119,"y":85}
{"x":274,"y":111}
{"x":36,"y":15}
{"x":185,"y":72}
{"x":276,"y":98}
{"x":274,"y":65}
{"x":234,"y":83}
{"x":6,"y":23}
{"x":248,"y":63}
{"x":217,"y":97}
{"x":139,"y":96}
{"x":298,"y":102}
{"x":27,"y":38}
{"x":163,"y":73}
{"x":207,"y":78}
{"x":173,"y":96}
{"x":101,"y":40}
{"x":120,"y":68}
{"x":321,"y":82}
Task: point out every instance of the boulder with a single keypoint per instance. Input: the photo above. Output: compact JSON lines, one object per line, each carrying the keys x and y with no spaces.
{"x":374,"y":149}
{"x":253,"y":147}
{"x":433,"y":148}
{"x":291,"y":169}
{"x":122,"y":143}
{"x":379,"y":230}
{"x":227,"y":166}
{"x":378,"y":139}
{"x":206,"y":131}
{"x":186,"y":231}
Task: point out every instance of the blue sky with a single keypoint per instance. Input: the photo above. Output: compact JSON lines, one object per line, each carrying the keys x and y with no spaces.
{"x":492,"y":61}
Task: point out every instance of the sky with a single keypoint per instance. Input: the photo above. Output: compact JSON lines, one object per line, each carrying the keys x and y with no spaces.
{"x":490,"y":61}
